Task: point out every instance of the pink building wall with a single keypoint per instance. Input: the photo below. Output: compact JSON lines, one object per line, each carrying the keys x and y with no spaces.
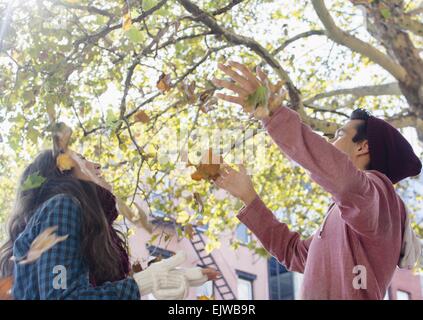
{"x":242,"y":259}
{"x":227,"y":259}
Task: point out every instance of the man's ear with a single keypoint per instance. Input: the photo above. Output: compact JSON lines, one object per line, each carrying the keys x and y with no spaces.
{"x":363,"y":147}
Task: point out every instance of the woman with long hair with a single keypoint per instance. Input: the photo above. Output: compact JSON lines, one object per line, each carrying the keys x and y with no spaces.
{"x":94,"y":256}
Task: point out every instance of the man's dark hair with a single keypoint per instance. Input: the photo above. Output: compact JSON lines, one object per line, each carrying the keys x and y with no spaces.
{"x":360,"y":114}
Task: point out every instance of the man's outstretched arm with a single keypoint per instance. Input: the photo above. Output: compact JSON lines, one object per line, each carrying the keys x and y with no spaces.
{"x":285,"y":245}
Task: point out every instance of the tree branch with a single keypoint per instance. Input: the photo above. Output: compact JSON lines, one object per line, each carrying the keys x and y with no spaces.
{"x":377,"y":90}
{"x":105,"y":31}
{"x":226,"y":8}
{"x":210,"y":22}
{"x":407,"y":23}
{"x":343,"y":38}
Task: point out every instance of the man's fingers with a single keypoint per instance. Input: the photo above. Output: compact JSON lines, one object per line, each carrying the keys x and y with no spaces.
{"x":245,"y":71}
{"x":232,"y":99}
{"x":231,"y":86}
{"x":262,"y":76}
{"x":235,"y":76}
{"x":228,"y":168}
{"x":242,"y":169}
{"x":220,"y":183}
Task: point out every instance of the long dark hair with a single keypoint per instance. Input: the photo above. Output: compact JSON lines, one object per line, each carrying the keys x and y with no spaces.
{"x":99,"y":252}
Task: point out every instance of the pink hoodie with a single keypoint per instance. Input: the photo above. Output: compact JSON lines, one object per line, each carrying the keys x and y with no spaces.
{"x":355,"y":253}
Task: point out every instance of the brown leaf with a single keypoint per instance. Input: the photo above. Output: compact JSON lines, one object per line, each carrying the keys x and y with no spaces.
{"x":141,"y":116}
{"x":199,"y":201}
{"x":163,"y":84}
{"x":208,"y":168}
{"x":209,"y":105}
{"x":140,"y":219}
{"x":6,"y":285}
{"x":189,"y":91}
{"x":61,"y":137}
{"x":43,"y":242}
{"x":189,"y":231}
{"x":136,"y":267}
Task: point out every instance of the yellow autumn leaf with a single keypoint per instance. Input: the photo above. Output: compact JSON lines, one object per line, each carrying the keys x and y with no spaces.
{"x":43,"y":242}
{"x":127,"y":22}
{"x":183,"y":217}
{"x":65,"y":162}
{"x":203,"y":297}
{"x":140,"y":219}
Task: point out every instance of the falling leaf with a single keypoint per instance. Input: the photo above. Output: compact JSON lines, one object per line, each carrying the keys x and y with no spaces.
{"x":208,"y":168}
{"x":127,"y":21}
{"x":140,"y":219}
{"x":204,"y":297}
{"x":43,"y":242}
{"x":33,"y":181}
{"x":51,"y":112}
{"x":163,"y":84}
{"x":386,"y":13}
{"x":209,"y":104}
{"x":65,"y":162}
{"x":199,"y":201}
{"x":153,"y":238}
{"x":6,"y":285}
{"x":189,"y":231}
{"x":141,"y":116}
{"x":189,"y":91}
{"x":197,"y":176}
{"x":61,"y":137}
{"x":136,"y":267}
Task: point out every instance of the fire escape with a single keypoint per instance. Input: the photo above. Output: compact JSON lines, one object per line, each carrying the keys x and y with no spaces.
{"x":221,"y":284}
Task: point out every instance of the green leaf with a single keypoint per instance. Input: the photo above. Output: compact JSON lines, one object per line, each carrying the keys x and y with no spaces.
{"x":258,"y":97}
{"x":134,"y":35}
{"x":386,"y":13}
{"x":148,"y":4}
{"x":32,"y":135}
{"x":33,"y":181}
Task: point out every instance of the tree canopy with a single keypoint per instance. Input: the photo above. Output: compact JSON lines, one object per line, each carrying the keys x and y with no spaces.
{"x":130,"y":76}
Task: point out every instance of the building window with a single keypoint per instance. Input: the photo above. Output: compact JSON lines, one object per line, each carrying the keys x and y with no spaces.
{"x":245,"y":285}
{"x":403,"y":295}
{"x":157,"y":252}
{"x":281,"y":281}
{"x":205,"y":289}
{"x":242,"y":234}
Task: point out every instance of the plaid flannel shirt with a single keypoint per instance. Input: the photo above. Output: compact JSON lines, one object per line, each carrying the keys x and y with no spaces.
{"x":60,"y":272}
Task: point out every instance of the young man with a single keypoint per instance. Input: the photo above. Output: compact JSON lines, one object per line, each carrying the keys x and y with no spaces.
{"x":365,"y":233}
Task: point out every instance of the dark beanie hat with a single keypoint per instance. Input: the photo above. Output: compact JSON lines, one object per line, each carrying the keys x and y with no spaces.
{"x":390,"y":152}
